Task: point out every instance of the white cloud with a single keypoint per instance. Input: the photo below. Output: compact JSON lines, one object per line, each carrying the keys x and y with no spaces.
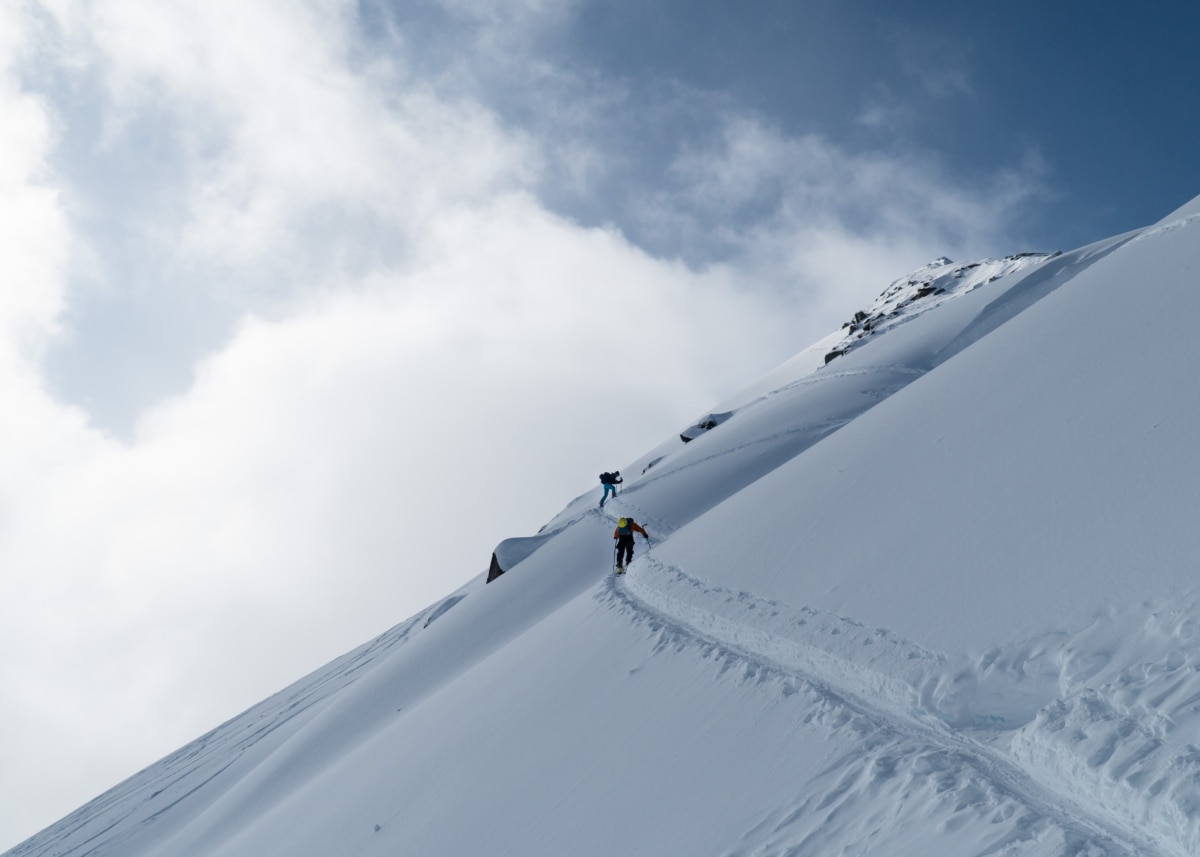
{"x":825,"y":229}
{"x":503,"y":22}
{"x":33,"y":232}
{"x":799,"y":181}
{"x":281,"y":117}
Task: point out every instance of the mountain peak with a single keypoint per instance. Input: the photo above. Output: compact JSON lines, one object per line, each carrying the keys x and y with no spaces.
{"x":925,"y":289}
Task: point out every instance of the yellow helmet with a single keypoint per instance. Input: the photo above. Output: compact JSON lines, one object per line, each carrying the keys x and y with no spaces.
{"x":624,"y":522}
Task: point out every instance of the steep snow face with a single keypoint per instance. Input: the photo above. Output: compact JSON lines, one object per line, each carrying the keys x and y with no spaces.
{"x":1038,"y":477}
{"x":933,"y":597}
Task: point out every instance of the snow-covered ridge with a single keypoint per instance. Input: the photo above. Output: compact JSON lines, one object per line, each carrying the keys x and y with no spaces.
{"x":937,"y":597}
{"x":924,"y":290}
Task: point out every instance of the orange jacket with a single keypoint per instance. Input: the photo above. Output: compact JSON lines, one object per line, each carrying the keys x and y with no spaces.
{"x":633,"y":528}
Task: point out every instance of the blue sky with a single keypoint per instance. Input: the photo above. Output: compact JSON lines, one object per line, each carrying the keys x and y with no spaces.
{"x":1094,"y":95}
{"x":308,"y":304}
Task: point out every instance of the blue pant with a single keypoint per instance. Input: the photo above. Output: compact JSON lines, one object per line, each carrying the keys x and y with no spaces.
{"x":607,"y":488}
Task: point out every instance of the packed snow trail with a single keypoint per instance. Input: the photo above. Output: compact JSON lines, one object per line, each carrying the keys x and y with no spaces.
{"x":885,"y":701}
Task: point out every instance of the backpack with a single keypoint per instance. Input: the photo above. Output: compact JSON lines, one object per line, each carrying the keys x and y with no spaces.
{"x":606,"y":479}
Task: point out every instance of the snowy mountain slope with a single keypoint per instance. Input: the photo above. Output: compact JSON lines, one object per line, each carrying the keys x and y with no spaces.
{"x":933,"y":597}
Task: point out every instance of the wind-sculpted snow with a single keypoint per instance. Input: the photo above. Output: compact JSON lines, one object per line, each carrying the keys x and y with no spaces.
{"x":1128,"y":735}
{"x":1098,"y":765}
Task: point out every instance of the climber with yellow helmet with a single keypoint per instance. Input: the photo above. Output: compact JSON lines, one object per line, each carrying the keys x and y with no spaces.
{"x":626,"y":527}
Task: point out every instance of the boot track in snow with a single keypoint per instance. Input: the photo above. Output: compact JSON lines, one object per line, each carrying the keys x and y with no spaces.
{"x":831,"y":678}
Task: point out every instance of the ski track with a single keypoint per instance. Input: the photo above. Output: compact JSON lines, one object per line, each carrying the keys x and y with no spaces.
{"x":846,"y":685}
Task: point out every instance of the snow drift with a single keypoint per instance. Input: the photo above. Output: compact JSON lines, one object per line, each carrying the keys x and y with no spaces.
{"x":934,"y":594}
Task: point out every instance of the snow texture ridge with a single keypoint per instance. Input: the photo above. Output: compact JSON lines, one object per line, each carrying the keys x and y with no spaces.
{"x":973,"y":774}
